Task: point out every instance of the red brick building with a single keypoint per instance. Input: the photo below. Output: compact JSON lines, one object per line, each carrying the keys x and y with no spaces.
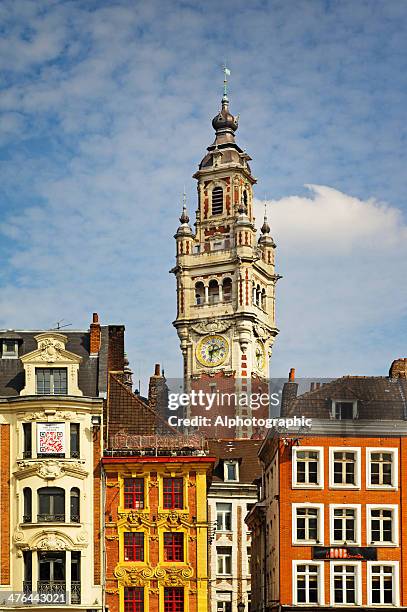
{"x":329,"y":528}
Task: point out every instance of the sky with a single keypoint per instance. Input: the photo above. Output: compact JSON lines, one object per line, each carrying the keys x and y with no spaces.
{"x":105,"y":112}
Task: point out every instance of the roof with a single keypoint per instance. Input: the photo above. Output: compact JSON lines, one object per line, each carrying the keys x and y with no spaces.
{"x":378,"y":398}
{"x":245,"y":451}
{"x":12,"y":370}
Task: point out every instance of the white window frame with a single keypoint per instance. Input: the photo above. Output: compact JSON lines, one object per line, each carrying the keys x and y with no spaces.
{"x":304,"y":485}
{"x":396,"y":582}
{"x":345,"y":449}
{"x":320,"y":529}
{"x":224,"y":556}
{"x":344,"y":401}
{"x":394,"y":469}
{"x":227,"y":462}
{"x":395,"y":524}
{"x":8,"y":354}
{"x":223,"y":513}
{"x":358,"y":582}
{"x":321,"y":581}
{"x":358,"y":524}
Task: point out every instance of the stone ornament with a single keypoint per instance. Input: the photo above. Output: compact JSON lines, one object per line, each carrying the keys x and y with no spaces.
{"x":211,"y":326}
{"x":50,"y":350}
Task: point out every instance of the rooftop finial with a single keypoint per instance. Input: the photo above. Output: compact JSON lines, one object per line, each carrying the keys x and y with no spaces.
{"x":226,"y":73}
{"x":265,"y":228}
{"x":184,"y":218}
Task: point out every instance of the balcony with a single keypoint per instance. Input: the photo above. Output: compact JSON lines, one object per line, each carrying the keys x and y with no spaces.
{"x":53,"y":587}
{"x":75,"y":593}
{"x":51,"y":518}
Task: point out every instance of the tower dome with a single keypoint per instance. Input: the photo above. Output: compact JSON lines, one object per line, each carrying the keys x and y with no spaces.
{"x":224,"y":120}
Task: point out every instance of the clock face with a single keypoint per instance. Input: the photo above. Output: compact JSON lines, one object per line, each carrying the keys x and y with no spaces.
{"x":212,"y":350}
{"x":260,"y":355}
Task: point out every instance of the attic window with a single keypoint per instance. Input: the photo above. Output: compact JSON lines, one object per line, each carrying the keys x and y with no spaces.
{"x":217,"y":201}
{"x":10,"y":349}
{"x":231,"y":471}
{"x":344,"y":410}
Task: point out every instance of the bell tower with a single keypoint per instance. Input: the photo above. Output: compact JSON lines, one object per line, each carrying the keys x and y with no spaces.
{"x":225,"y":275}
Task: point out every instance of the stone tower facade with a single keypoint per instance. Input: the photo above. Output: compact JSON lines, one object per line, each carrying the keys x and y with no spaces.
{"x":225,"y":275}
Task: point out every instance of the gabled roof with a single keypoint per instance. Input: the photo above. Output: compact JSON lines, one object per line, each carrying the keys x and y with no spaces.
{"x":378,"y":398}
{"x":245,"y":451}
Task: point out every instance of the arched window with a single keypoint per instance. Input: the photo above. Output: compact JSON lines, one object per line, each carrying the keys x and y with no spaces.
{"x":27,"y":512}
{"x":213,"y":292}
{"x":263,"y":299}
{"x":51,"y":504}
{"x":258,"y":295}
{"x":245,"y":199}
{"x":199,"y":293}
{"x":217,"y":201}
{"x":227,"y":290}
{"x":75,"y":505}
{"x":254,"y":294}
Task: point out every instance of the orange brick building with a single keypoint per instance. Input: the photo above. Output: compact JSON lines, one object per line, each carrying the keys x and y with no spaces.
{"x":329,"y":528}
{"x":156,"y":526}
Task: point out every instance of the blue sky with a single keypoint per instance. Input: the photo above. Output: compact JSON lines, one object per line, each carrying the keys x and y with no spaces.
{"x":105,"y":112}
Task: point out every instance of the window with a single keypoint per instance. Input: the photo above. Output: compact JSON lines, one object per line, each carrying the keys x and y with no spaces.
{"x":199,"y":294}
{"x":308,"y":523}
{"x":382,"y":581}
{"x":224,"y":517}
{"x":27,"y":584}
{"x":75,"y":577}
{"x":344,"y":468}
{"x":173,"y":494}
{"x":344,"y":410}
{"x":51,"y":381}
{"x":213,"y":292}
{"x":75,"y":501}
{"x":345,"y":524}
{"x":51,"y":572}
{"x":224,"y":560}
{"x":133,"y":599}
{"x":74,"y":438}
{"x":382,"y":468}
{"x":382,"y":525}
{"x":9,"y":349}
{"x":345,"y":587}
{"x":231,"y":471}
{"x":308,"y":583}
{"x":173,"y":546}
{"x":27,"y":440}
{"x":223,"y":601}
{"x":307,"y":467}
{"x":173,"y":599}
{"x":134,"y":493}
{"x":227,"y":290}
{"x":133,"y":546}
{"x":27,"y":496}
{"x":217,"y":201}
{"x":249,"y":558}
{"x":51,"y":504}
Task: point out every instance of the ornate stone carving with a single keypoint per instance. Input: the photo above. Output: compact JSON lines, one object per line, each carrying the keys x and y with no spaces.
{"x":82,"y":537}
{"x":261,"y":332}
{"x":211,"y":326}
{"x":51,"y":542}
{"x":50,"y":350}
{"x":112,"y":537}
{"x":18,"y":537}
{"x":169,"y":576}
{"x":50,"y":469}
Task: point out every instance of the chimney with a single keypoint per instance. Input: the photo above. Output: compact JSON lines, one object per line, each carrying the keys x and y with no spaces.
{"x":95,"y":335}
{"x":289,"y":393}
{"x":115,"y":356}
{"x":158,"y":392}
{"x":312,"y":386}
{"x":398,"y":368}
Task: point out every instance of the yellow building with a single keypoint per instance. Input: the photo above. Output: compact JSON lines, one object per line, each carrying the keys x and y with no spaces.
{"x":156,"y":527}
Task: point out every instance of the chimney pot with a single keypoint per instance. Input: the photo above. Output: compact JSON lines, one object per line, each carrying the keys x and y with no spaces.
{"x":95,"y":317}
{"x":157,"y":369}
{"x":291,"y":376}
{"x":95,"y":335}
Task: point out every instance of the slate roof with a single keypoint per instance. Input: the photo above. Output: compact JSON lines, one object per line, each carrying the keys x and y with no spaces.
{"x":245,"y":451}
{"x":378,"y":398}
{"x":12,"y":370}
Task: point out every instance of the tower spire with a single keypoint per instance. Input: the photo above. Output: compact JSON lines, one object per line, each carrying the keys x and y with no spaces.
{"x":226,"y":73}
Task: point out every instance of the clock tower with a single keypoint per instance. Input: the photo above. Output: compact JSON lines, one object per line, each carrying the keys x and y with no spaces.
{"x":225,"y":279}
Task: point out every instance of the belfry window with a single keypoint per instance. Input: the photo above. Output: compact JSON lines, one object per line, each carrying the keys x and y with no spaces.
{"x":217,"y":201}
{"x":199,"y":294}
{"x":213,"y":292}
{"x":227,"y":290}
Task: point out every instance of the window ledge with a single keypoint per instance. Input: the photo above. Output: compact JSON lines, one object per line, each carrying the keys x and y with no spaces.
{"x":50,"y":523}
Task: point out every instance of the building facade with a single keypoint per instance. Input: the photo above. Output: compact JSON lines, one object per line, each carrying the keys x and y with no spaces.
{"x":232,"y":494}
{"x":156,"y":524}
{"x":225,"y":280}
{"x":328,"y":530}
{"x":50,"y":450}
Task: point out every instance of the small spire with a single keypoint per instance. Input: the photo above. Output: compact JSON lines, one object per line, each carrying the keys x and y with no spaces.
{"x":184,"y":218}
{"x":265,"y":228}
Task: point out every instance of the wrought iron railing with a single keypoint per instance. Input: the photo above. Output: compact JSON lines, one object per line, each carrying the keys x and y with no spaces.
{"x":51,"y":518}
{"x":75,"y":518}
{"x":51,"y":587}
{"x":27,"y":518}
{"x":27,"y":587}
{"x":75,"y":593}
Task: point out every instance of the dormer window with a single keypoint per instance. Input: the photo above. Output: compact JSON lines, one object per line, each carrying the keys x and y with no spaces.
{"x":344,"y":410}
{"x":51,"y":381}
{"x":217,"y":201}
{"x":9,"y":349}
{"x":231,"y":471}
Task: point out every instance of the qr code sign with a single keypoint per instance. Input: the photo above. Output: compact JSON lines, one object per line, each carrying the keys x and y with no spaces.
{"x":51,"y":442}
